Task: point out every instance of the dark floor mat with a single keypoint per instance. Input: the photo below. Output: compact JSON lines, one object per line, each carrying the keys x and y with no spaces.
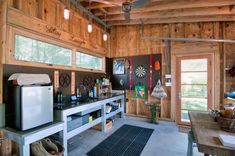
{"x":126,"y":141}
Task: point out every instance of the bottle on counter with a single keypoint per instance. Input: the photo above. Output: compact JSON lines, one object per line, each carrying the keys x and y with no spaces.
{"x":59,"y":96}
{"x":94,"y":91}
{"x":91,"y":93}
{"x":78,"y":93}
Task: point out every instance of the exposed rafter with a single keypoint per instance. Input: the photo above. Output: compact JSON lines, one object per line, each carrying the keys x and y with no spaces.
{"x":165,"y":11}
{"x":83,"y":9}
{"x":225,"y":10}
{"x":177,"y":20}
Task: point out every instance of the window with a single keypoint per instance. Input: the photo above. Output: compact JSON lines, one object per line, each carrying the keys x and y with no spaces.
{"x":28,"y":49}
{"x":88,"y":61}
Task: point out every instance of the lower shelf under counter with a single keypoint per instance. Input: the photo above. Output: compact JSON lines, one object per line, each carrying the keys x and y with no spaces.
{"x":61,"y":115}
{"x":25,"y":138}
{"x":78,"y":130}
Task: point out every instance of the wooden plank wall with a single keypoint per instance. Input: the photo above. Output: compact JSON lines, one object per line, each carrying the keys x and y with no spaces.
{"x":2,"y":43}
{"x":5,"y":145}
{"x":46,"y":18}
{"x":137,"y":46}
{"x":229,"y":54}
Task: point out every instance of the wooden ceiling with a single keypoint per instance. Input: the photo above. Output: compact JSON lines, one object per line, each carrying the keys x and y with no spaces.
{"x":163,"y":11}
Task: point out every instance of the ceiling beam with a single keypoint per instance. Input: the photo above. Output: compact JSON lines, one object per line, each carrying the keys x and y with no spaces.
{"x":170,"y":5}
{"x":101,"y":5}
{"x":112,"y":3}
{"x":105,"y":4}
{"x":103,"y":11}
{"x":225,"y":10}
{"x":90,"y":14}
{"x":188,"y":19}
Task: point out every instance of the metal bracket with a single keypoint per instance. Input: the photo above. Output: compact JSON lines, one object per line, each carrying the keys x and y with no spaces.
{"x":86,"y":11}
{"x":187,"y":39}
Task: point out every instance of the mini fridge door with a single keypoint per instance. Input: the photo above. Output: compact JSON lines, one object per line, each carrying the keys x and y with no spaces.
{"x":36,"y":106}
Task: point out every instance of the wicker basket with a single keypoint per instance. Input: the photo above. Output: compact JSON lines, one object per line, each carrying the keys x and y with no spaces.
{"x":226,"y":124}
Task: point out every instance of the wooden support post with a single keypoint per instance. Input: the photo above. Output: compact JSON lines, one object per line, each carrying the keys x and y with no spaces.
{"x":123,"y":107}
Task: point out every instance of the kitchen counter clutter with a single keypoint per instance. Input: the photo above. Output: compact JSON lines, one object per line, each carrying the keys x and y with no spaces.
{"x":80,"y":116}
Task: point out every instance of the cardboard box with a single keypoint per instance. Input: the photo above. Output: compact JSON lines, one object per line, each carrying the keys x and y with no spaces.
{"x":99,"y":126}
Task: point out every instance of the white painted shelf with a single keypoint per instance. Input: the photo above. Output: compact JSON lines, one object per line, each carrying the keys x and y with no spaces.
{"x":83,"y":128}
{"x":113,"y":113}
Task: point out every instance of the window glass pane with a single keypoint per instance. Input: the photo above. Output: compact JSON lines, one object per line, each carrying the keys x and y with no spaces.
{"x":28,"y":49}
{"x":194,"y":104}
{"x":194,"y":78}
{"x":194,"y":65}
{"x":184,"y":116}
{"x":194,"y":91}
{"x":88,"y":61}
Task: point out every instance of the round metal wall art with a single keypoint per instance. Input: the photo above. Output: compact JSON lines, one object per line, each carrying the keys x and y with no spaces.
{"x":64,"y":80}
{"x":140,"y":71}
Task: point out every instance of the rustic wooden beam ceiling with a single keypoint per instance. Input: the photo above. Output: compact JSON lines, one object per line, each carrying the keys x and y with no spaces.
{"x":225,"y":10}
{"x":165,"y":11}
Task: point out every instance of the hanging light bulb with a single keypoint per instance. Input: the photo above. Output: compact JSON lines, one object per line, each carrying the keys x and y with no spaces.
{"x":89,"y":27}
{"x":105,"y":36}
{"x":66,"y":13}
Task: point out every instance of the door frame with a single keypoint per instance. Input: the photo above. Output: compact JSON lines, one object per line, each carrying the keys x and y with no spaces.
{"x":210,"y":80}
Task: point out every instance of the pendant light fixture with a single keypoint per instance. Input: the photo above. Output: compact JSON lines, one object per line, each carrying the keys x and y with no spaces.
{"x":66,"y":13}
{"x":105,"y":35}
{"x":89,"y":26}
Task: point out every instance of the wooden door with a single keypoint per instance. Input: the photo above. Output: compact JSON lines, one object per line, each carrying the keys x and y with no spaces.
{"x":194,"y":80}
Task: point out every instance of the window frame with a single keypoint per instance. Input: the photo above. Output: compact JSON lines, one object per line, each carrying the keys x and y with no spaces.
{"x":52,"y":44}
{"x":9,"y":57}
{"x":101,"y":57}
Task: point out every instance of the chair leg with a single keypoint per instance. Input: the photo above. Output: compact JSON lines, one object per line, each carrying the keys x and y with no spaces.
{"x":189,"y":152}
{"x":190,"y":143}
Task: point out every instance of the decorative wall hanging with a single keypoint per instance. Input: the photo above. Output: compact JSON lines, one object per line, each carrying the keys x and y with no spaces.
{"x":158,"y":91}
{"x":130,"y":77}
{"x":56,"y":80}
{"x":150,"y":72}
{"x":140,"y":71}
{"x":52,"y":30}
{"x":121,"y":82}
{"x":88,"y":82}
{"x":64,"y":80}
{"x":119,"y":66}
{"x":127,"y":64}
{"x":72,"y":83}
{"x":157,"y":65}
{"x":140,"y":91}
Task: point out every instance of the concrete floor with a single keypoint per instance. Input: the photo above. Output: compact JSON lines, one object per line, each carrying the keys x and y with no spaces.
{"x":166,"y":139}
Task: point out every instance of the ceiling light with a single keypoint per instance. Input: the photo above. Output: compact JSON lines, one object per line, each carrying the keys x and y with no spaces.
{"x":66,"y":13}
